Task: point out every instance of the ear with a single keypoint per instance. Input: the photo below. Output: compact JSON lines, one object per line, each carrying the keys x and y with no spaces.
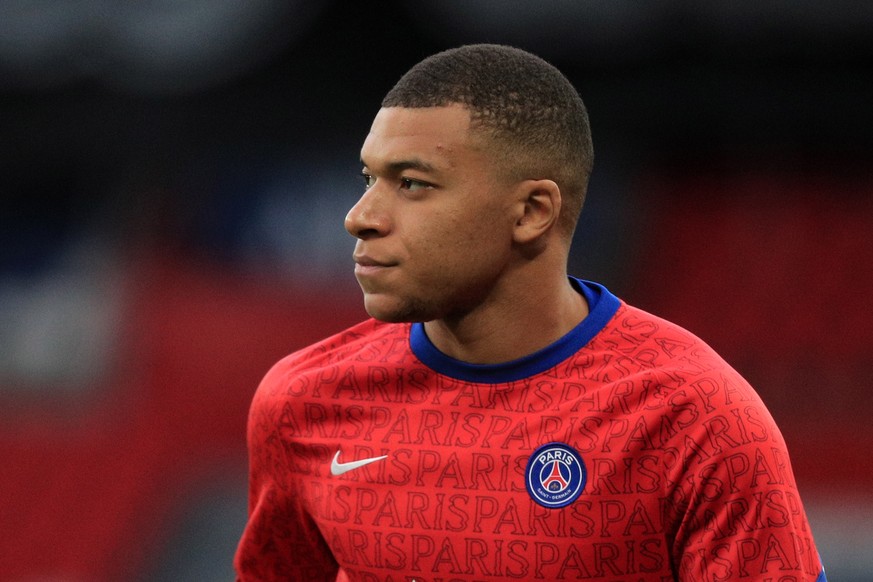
{"x":541,"y":203}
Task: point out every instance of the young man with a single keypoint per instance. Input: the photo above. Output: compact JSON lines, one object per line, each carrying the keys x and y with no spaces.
{"x":497,"y":419}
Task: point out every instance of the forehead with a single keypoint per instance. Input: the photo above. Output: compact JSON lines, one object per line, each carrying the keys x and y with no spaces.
{"x":438,"y":137}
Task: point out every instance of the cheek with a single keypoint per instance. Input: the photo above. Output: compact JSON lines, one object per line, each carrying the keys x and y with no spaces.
{"x":464,"y":254}
{"x":484,"y":234}
{"x":455,"y":242}
{"x":452,"y":243}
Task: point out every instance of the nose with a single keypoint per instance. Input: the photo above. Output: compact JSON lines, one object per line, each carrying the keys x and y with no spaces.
{"x":368,"y":218}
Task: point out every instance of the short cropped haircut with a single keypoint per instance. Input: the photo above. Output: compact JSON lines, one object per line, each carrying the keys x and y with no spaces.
{"x":526,"y":106}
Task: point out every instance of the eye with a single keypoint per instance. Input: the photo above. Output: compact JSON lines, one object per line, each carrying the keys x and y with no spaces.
{"x":368,"y":180}
{"x":413,"y":185}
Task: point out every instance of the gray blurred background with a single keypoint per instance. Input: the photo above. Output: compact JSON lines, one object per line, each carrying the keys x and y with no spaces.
{"x":173,"y":180}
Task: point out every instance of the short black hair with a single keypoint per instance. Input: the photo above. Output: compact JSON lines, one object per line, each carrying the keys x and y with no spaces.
{"x":519,"y":100}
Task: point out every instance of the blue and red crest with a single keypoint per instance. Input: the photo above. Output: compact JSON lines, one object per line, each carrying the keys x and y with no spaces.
{"x":555,"y":475}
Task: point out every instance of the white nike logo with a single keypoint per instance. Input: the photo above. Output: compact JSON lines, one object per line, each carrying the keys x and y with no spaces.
{"x":337,"y":468}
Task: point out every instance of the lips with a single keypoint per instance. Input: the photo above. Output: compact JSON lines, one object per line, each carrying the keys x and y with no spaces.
{"x":369,"y":266}
{"x":367,"y":261}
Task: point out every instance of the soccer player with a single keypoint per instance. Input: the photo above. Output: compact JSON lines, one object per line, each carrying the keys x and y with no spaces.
{"x":497,"y":419}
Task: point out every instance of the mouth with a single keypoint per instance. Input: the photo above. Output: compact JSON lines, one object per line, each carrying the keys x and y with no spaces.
{"x":368,"y":266}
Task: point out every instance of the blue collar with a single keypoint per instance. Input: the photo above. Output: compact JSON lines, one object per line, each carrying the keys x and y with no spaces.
{"x":602,"y":305}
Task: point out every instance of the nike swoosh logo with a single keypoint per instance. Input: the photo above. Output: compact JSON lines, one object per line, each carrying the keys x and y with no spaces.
{"x":337,"y":468}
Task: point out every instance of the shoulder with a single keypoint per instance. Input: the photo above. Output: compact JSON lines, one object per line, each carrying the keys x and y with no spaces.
{"x":364,"y":342}
{"x":702,"y":395}
{"x":654,"y":343}
{"x":361,"y":341}
{"x":672,"y":366}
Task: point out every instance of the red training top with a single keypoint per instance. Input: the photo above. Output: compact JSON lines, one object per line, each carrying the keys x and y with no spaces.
{"x":627,"y":450}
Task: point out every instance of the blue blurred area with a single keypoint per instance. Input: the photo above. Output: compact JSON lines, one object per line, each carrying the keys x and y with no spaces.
{"x":173,"y":181}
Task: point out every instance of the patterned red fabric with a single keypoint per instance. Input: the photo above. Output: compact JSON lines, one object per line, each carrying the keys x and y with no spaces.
{"x":687,"y":475}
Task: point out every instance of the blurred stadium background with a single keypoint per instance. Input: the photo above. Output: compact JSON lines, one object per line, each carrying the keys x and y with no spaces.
{"x":174,"y":177}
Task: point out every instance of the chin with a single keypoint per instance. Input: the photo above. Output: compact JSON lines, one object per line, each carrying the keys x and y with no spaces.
{"x":392,"y":311}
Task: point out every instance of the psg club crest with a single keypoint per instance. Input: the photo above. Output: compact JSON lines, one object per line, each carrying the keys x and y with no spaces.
{"x":555,"y":475}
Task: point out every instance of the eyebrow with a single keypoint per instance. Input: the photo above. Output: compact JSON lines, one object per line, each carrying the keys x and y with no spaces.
{"x":399,"y":166}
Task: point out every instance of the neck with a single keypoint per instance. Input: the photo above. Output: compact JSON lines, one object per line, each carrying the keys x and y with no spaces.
{"x":517,"y":321}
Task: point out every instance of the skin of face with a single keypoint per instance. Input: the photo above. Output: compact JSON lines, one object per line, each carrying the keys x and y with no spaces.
{"x":434,"y":226}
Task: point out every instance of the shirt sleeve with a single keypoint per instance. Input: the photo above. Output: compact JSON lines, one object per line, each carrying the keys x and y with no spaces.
{"x":280,"y":540}
{"x":734,"y":505}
